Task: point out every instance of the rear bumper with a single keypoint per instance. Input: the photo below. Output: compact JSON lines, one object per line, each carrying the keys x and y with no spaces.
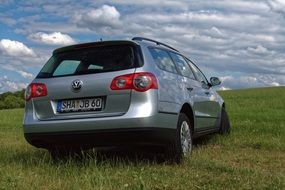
{"x":110,"y":137}
{"x":158,"y":120}
{"x":155,"y":129}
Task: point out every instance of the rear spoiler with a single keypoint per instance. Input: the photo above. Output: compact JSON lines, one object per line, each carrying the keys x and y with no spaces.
{"x":92,"y":44}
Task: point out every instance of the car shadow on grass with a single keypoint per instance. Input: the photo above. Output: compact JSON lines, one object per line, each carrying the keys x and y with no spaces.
{"x":119,"y":155}
{"x":130,"y":154}
{"x":149,"y":154}
{"x":203,"y":140}
{"x":134,"y":155}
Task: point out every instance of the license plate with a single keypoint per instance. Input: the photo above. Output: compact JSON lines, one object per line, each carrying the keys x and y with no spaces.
{"x":90,"y":104}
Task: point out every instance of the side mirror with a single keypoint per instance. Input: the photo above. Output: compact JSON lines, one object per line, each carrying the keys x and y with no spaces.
{"x":215,"y":81}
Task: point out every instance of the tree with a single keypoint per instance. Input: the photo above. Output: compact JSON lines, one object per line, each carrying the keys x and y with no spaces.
{"x":9,"y":100}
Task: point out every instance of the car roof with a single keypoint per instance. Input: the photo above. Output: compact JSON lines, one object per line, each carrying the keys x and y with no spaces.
{"x":154,"y":42}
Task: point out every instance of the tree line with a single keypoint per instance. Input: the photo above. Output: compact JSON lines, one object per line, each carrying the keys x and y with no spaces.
{"x":9,"y":100}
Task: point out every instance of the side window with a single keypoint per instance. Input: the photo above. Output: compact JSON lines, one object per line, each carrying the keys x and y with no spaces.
{"x":182,"y":65}
{"x":66,"y":67}
{"x":163,"y":60}
{"x":199,"y":75}
{"x":90,"y":67}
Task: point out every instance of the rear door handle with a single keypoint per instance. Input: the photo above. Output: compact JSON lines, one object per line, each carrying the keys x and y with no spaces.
{"x":207,"y":93}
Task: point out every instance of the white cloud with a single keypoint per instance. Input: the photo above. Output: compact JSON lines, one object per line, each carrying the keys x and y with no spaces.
{"x":6,"y":20}
{"x":215,"y":32}
{"x":55,"y":38}
{"x":15,"y":48}
{"x":277,"y":5}
{"x":162,"y":3}
{"x":223,"y":88}
{"x":17,"y":69}
{"x":8,"y":85}
{"x":275,"y":84}
{"x":258,"y":49}
{"x":246,"y":81}
{"x":104,"y":18}
{"x":26,"y":74}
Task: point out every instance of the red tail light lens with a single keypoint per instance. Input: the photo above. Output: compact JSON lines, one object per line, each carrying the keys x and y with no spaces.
{"x":144,"y":81}
{"x":122,"y":82}
{"x":140,"y":82}
{"x":35,"y":90}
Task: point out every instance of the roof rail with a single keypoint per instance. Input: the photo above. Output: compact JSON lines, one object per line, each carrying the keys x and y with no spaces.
{"x":154,"y":41}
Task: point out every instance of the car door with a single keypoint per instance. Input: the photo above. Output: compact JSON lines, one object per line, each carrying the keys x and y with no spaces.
{"x":206,"y":105}
{"x":196,"y":93}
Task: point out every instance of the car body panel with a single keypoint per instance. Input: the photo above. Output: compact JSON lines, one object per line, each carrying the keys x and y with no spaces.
{"x":205,"y":106}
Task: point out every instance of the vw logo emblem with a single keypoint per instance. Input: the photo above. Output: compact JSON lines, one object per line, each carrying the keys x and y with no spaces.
{"x":76,"y":85}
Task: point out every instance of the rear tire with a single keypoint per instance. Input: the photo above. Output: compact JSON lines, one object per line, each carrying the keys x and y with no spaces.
{"x":181,"y":146}
{"x":225,"y":126}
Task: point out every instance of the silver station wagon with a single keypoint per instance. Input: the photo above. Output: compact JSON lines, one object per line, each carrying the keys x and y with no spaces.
{"x":115,"y":93}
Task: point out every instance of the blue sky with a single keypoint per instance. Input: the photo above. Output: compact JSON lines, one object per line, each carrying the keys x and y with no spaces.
{"x":240,"y":41}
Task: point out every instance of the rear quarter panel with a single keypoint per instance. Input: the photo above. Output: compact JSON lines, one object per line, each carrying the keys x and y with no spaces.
{"x":170,"y":85}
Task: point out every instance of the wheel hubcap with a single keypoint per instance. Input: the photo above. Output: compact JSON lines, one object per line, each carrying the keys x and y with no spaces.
{"x":185,"y":137}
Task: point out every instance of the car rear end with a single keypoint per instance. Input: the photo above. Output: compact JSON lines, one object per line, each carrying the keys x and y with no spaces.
{"x":95,"y":94}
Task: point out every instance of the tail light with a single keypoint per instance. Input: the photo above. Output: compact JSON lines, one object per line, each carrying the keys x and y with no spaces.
{"x":140,"y":82}
{"x":35,"y":90}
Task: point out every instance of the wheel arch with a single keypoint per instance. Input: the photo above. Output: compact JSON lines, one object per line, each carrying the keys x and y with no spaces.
{"x":187,"y":109}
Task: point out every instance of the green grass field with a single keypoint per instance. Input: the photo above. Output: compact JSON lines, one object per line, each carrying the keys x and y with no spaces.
{"x":251,"y":157}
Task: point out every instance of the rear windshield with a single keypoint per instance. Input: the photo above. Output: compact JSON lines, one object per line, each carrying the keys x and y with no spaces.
{"x":89,"y":61}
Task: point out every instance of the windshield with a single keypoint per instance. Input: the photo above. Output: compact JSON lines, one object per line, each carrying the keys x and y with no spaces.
{"x":89,"y":61}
